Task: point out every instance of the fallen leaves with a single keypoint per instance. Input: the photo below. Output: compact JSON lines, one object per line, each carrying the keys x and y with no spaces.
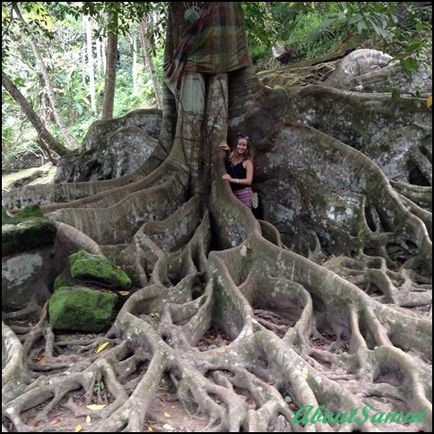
{"x":155,"y":315}
{"x":291,"y":404}
{"x":96,"y":406}
{"x":39,"y":358}
{"x":166,"y":414}
{"x":429,"y":101}
{"x":101,"y":347}
{"x":123,"y":293}
{"x":56,"y":420}
{"x":78,"y":428}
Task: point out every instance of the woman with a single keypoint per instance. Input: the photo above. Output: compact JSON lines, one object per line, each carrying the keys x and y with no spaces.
{"x":239,"y":166}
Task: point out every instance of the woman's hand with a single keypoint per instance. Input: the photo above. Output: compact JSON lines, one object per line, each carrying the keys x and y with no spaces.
{"x":224,"y":146}
{"x":227,"y":177}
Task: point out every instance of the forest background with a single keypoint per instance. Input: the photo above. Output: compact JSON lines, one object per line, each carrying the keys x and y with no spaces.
{"x":71,"y":39}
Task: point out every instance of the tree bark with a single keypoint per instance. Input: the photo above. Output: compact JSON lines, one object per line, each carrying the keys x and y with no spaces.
{"x":147,"y":53}
{"x":69,"y":140}
{"x":84,"y":64}
{"x":99,"y":56}
{"x":90,"y":70}
{"x":110,"y":72}
{"x":51,"y":142}
{"x":134,"y":67}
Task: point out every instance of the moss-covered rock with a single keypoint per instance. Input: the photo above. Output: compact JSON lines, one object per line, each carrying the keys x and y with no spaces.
{"x":78,"y":308}
{"x":6,"y":218}
{"x":27,"y":234}
{"x":86,"y":266}
{"x":26,"y":213}
{"x":64,"y":279}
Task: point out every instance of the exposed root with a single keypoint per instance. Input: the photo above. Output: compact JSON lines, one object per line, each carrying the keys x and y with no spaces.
{"x":246,"y":333}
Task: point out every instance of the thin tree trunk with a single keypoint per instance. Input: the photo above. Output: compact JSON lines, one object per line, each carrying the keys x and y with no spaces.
{"x":43,"y":133}
{"x":134,"y":70}
{"x":103,"y":53}
{"x":99,"y":65}
{"x":148,"y":59}
{"x":110,"y":71}
{"x":46,"y":151}
{"x":69,"y":140}
{"x":84,"y":63}
{"x":90,"y":70}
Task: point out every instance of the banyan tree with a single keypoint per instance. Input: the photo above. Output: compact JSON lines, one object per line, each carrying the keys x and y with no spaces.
{"x":244,"y":321}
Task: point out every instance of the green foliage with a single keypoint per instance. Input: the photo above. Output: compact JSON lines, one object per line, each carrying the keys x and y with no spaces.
{"x":63,"y":55}
{"x":260,"y":24}
{"x":38,"y":22}
{"x":312,"y":29}
{"x":18,"y":138}
{"x":309,"y":37}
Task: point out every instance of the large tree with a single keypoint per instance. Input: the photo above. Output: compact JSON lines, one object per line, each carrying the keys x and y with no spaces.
{"x":229,"y":322}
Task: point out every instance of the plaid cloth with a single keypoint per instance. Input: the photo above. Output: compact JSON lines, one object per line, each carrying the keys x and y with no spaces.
{"x":214,"y":43}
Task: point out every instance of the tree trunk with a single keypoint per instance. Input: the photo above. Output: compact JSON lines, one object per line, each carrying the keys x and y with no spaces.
{"x":134,"y":64}
{"x":27,"y":109}
{"x":90,"y":68}
{"x":99,"y":56}
{"x":110,"y":72}
{"x":147,"y":53}
{"x":103,"y":53}
{"x":69,"y":140}
{"x":84,"y":62}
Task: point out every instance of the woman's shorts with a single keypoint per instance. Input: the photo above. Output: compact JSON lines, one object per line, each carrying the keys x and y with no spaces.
{"x":245,"y":196}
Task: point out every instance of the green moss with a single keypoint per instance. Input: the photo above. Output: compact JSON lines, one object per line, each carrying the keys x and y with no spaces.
{"x":6,"y":218}
{"x":24,"y":214}
{"x":79,"y":308}
{"x":133,"y":275}
{"x":28,"y":212}
{"x":30,"y":233}
{"x":64,"y":279}
{"x":293,"y":81}
{"x":86,"y":266}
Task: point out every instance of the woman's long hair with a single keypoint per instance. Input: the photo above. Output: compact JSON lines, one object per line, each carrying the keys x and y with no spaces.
{"x":234,"y":155}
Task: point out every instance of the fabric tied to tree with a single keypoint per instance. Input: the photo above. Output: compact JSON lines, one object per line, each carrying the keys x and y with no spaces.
{"x":213,"y":44}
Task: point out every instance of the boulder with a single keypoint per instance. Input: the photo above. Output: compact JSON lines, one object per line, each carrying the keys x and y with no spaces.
{"x":25,"y":276}
{"x":26,"y":230}
{"x":113,"y":148}
{"x":77,"y":308}
{"x":85,"y":266}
